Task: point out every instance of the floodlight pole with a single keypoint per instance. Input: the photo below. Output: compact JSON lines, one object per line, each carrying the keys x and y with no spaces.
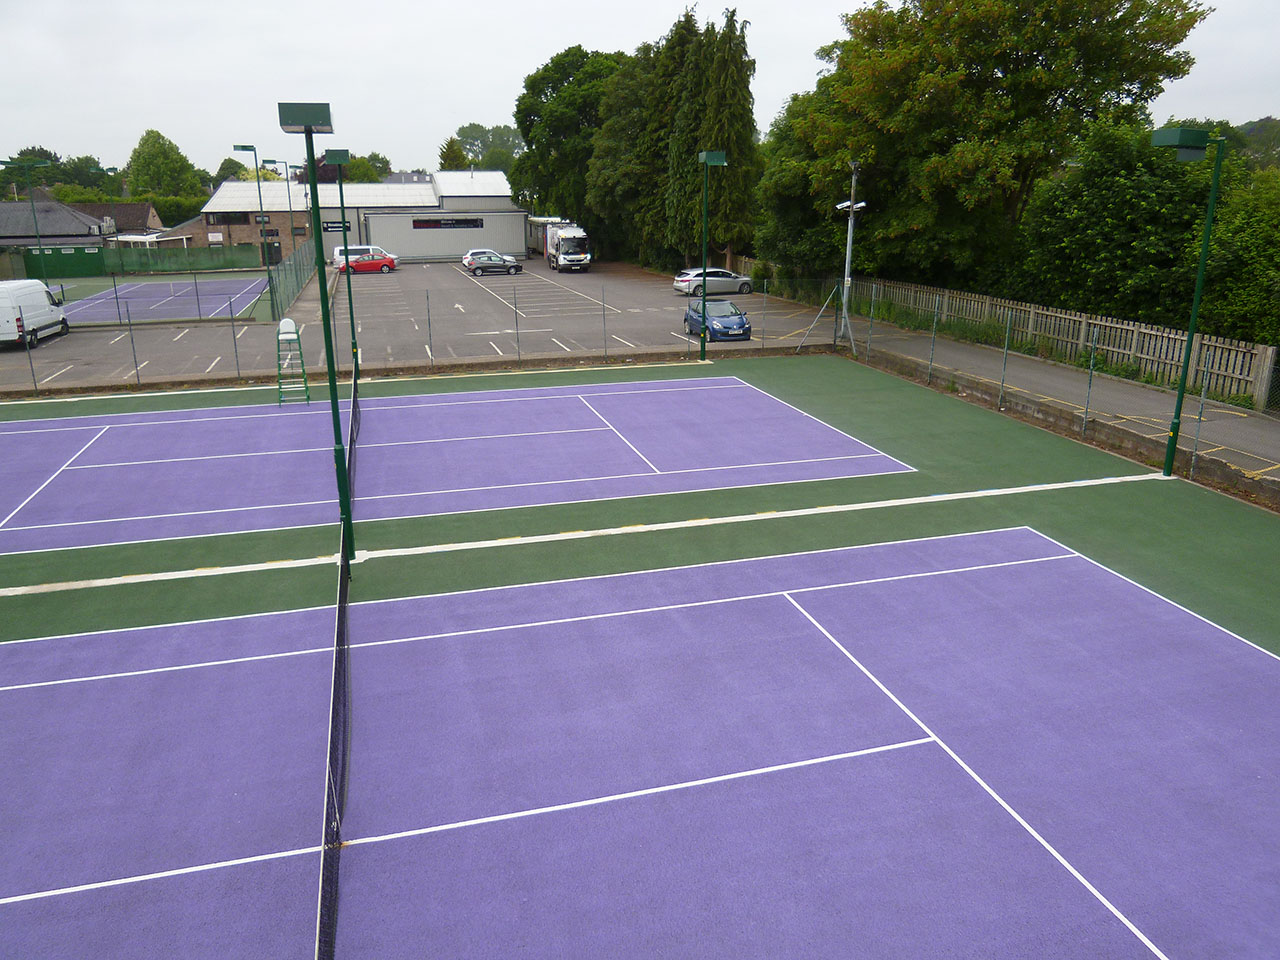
{"x":1176,"y":425}
{"x":110,"y":171}
{"x":26,"y":166}
{"x":262,"y":227}
{"x":339,"y":159}
{"x":848,"y":254}
{"x":305,"y":117}
{"x":708,"y":159}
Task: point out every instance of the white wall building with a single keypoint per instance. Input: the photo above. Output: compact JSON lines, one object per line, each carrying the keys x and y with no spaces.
{"x":440,"y":217}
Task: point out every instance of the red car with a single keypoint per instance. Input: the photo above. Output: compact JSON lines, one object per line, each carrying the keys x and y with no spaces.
{"x":369,"y":263}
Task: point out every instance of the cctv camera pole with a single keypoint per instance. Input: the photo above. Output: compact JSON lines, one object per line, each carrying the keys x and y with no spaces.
{"x":848,"y":256}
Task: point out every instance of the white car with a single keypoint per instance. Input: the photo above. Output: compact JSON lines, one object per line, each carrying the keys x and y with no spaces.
{"x":718,"y":281}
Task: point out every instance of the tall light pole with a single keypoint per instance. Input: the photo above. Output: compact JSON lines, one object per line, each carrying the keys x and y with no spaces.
{"x":1191,"y":145}
{"x":309,"y":119}
{"x":288,"y":186}
{"x":26,"y":165}
{"x":262,"y":226}
{"x":708,"y":159}
{"x":339,"y":159}
{"x":853,"y":208}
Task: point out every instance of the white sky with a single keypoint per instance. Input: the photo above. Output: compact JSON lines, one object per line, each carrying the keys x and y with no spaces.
{"x":89,"y":78}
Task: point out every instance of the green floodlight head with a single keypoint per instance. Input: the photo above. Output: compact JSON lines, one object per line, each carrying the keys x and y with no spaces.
{"x":305,"y":117}
{"x":1189,"y":142}
{"x":243,"y":147}
{"x":23,"y":162}
{"x":713,"y":158}
{"x":336,"y":158}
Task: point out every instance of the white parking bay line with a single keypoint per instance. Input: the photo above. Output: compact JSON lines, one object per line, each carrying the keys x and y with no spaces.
{"x":212,"y":365}
{"x":120,"y":337}
{"x":58,"y":374}
{"x":496,"y":350}
{"x":620,"y":340}
{"x":561,"y":345}
{"x":182,"y":334}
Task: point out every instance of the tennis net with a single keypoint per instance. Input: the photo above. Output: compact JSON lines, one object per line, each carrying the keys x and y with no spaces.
{"x":339,"y":726}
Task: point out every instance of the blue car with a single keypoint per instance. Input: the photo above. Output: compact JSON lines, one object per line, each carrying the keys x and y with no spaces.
{"x":724,"y":320}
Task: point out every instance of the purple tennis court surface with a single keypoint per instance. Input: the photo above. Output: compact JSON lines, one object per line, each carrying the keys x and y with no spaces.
{"x":145,"y":476}
{"x":140,"y":301}
{"x":974,"y":746}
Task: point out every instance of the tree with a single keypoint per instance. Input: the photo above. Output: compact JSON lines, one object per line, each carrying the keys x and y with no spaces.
{"x":1262,"y":141}
{"x":452,"y":156}
{"x":39,"y":175}
{"x":1242,"y":286}
{"x":478,"y":141}
{"x":380,"y":164}
{"x":557,"y":115}
{"x":682,"y":70}
{"x":956,"y":110}
{"x":158,"y":166}
{"x":264,"y":173}
{"x":360,"y":170}
{"x":229,"y":169}
{"x":729,"y":125}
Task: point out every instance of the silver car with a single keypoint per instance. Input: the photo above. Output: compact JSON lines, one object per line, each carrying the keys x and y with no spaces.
{"x":718,"y":281}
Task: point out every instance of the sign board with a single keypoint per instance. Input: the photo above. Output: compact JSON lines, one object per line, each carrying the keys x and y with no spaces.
{"x":335,"y":226}
{"x":215,"y":237}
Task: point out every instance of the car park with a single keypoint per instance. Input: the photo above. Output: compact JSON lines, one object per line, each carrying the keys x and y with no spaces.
{"x":717,"y":281}
{"x":490,"y":261}
{"x":369,"y":263}
{"x":725,"y":320}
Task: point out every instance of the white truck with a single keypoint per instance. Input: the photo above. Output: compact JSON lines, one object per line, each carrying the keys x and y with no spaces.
{"x":567,"y":247}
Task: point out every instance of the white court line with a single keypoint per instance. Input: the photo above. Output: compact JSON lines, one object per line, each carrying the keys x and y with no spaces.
{"x":1049,"y":848}
{"x":632,"y":794}
{"x":618,"y":434}
{"x":303,"y":851}
{"x":53,"y":376}
{"x":500,"y":627}
{"x":37,"y":490}
{"x":363,"y":446}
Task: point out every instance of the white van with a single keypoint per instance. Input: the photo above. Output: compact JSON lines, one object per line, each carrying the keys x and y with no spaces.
{"x":28,"y":311}
{"x":339,"y":253}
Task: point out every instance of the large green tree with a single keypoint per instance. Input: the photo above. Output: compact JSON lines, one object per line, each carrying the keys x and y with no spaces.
{"x":479,"y":142}
{"x":158,"y":166}
{"x":729,"y":125}
{"x":557,"y":116}
{"x":957,"y":109}
{"x":1242,"y":288}
{"x":229,"y":169}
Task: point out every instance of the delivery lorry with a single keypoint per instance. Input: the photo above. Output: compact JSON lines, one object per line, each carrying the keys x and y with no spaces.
{"x":28,"y":311}
{"x":567,"y":247}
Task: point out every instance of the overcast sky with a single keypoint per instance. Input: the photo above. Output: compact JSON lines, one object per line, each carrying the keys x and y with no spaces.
{"x":89,"y":78}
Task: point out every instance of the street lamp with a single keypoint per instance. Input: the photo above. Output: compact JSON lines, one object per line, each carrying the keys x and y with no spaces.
{"x":26,"y":164}
{"x":262,"y":225}
{"x":853,"y":209}
{"x":288,"y":186}
{"x":339,"y":159}
{"x":1191,"y":145}
{"x":309,"y":119}
{"x":708,"y":159}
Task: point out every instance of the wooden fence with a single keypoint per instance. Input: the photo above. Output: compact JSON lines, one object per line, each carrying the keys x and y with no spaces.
{"x":1232,"y":368}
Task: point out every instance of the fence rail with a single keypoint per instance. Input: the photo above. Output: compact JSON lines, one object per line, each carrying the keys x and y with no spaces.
{"x":1228,"y":368}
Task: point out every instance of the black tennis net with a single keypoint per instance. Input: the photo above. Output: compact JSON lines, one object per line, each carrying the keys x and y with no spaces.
{"x":339,"y":726}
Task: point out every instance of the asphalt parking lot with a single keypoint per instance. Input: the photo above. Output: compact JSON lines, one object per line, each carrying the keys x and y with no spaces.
{"x":617,"y":308}
{"x":422,"y":314}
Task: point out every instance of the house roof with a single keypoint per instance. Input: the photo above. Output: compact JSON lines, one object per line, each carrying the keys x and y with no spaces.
{"x":236,"y":196}
{"x":54,"y":219}
{"x":472,"y":183}
{"x":128,"y":216}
